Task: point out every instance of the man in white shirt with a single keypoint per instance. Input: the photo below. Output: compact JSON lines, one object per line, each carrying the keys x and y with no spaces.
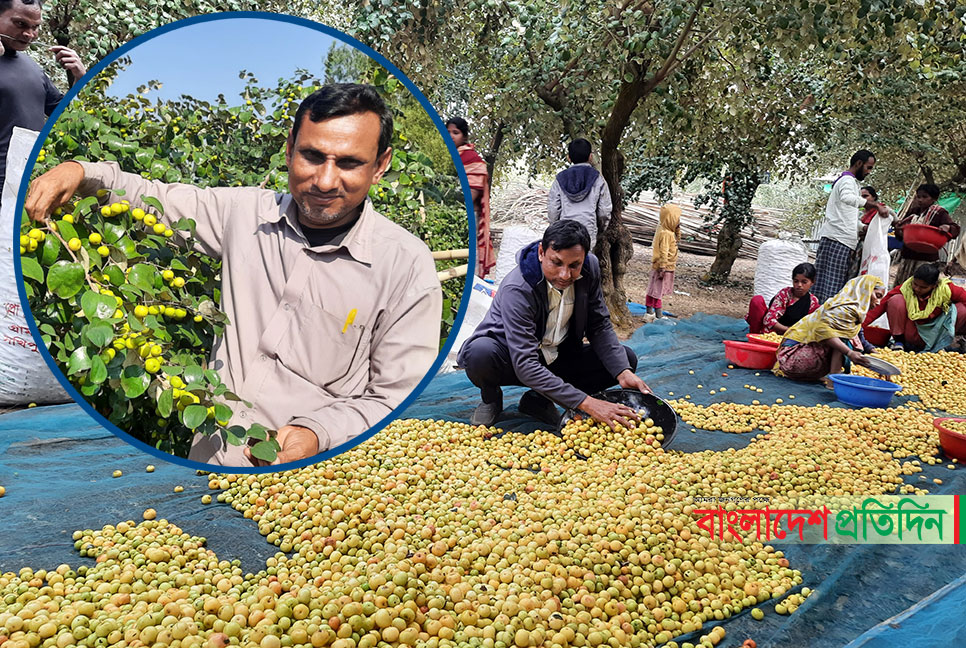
{"x":839,"y":235}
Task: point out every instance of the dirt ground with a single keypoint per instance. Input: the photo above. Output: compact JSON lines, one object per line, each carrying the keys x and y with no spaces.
{"x":729,"y":299}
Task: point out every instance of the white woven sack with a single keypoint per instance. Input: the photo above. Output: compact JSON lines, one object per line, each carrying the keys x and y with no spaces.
{"x":24,"y":376}
{"x":481,"y":296}
{"x":514,"y":238}
{"x":776,"y":260}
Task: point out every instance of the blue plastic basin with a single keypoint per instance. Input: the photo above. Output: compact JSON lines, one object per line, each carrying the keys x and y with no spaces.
{"x":860,"y":391}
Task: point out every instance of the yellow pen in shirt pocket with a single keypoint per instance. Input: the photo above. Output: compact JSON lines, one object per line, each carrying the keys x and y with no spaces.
{"x":350,"y":318}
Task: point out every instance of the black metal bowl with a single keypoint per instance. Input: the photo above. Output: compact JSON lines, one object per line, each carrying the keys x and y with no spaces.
{"x":654,"y":408}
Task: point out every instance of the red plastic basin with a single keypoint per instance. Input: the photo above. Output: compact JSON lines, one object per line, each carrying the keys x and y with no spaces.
{"x":953,"y":443}
{"x":924,"y":238}
{"x":877,"y":336}
{"x":750,"y":356}
{"x":754,"y":339}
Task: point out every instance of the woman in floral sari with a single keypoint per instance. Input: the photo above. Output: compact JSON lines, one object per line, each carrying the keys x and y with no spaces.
{"x":479,"y":180}
{"x":826,"y":340}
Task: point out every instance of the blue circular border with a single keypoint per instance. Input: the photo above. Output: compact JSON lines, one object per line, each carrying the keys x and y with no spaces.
{"x":348,"y":40}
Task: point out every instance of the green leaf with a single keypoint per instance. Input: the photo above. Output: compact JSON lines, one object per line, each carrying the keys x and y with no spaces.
{"x":116,"y":275}
{"x":151,"y":201}
{"x":258,"y":432}
{"x":97,"y":306}
{"x":78,"y":361}
{"x":128,"y":247}
{"x":144,"y":157}
{"x":51,"y":250}
{"x":84,"y":204}
{"x":113,"y":232}
{"x":65,"y":279}
{"x":166,"y":402}
{"x":98,"y":372}
{"x":142,"y":276}
{"x":32,"y":269}
{"x":193,"y":373}
{"x":194,"y":415}
{"x":159,"y":168}
{"x":222,"y":412}
{"x":264,"y":450}
{"x":134,"y":381}
{"x":234,"y":440}
{"x":66,"y":230}
{"x":100,"y":333}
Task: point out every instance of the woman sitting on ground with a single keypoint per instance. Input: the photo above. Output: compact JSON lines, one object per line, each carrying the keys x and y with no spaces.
{"x":925,"y":313}
{"x":825,"y":341}
{"x":788,"y":306}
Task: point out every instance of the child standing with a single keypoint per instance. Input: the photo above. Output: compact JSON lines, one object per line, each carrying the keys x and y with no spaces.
{"x":664,"y":258}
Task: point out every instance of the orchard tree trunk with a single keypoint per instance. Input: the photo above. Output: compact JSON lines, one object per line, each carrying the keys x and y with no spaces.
{"x":615,"y":248}
{"x":739,"y":190}
{"x":493,"y":151}
{"x":729,"y":244}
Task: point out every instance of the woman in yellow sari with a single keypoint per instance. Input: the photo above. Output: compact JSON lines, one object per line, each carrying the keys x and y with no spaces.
{"x":825,"y":341}
{"x":479,"y":180}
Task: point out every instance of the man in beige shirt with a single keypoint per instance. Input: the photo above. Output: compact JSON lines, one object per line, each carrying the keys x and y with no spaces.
{"x":334,"y":310}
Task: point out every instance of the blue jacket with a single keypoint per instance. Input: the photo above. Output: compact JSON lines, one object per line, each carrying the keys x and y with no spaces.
{"x":518,"y":318}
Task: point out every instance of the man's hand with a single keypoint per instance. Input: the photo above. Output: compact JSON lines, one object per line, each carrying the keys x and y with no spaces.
{"x":53,"y":189}
{"x":70,"y":61}
{"x":296,"y":442}
{"x":607,"y":412}
{"x":883,"y":210}
{"x":630,"y":380}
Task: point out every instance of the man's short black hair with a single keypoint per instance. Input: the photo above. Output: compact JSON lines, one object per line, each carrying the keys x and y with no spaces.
{"x":861,"y":156}
{"x":341,"y":99}
{"x":872,"y":192}
{"x":806,"y":269}
{"x":579,"y":151}
{"x":565,"y":233}
{"x":460,"y":124}
{"x":930,"y":189}
{"x":6,"y":4}
{"x":928,"y":274}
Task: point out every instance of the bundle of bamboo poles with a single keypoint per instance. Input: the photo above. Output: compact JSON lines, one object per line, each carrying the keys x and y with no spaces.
{"x":456,"y":271}
{"x":528,"y":205}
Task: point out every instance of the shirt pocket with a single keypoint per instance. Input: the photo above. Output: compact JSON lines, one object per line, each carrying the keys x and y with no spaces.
{"x":316,"y":349}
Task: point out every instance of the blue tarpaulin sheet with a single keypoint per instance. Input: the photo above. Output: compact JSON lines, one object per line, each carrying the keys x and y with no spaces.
{"x":56,"y":465}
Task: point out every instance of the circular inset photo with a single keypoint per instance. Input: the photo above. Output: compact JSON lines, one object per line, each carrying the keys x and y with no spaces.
{"x":244,"y":260}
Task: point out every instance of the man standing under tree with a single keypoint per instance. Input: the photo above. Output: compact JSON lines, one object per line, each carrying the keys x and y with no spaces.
{"x":580,"y":192}
{"x":533,"y":335}
{"x":27,"y":94}
{"x":839,"y":235}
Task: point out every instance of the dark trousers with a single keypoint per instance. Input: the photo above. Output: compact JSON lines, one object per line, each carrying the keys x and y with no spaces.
{"x":488,"y":366}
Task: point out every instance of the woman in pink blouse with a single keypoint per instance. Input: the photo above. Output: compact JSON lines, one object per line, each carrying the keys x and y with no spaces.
{"x":788,"y":306}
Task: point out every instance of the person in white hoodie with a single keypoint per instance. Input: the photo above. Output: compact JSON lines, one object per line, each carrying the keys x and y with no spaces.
{"x":580,"y":192}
